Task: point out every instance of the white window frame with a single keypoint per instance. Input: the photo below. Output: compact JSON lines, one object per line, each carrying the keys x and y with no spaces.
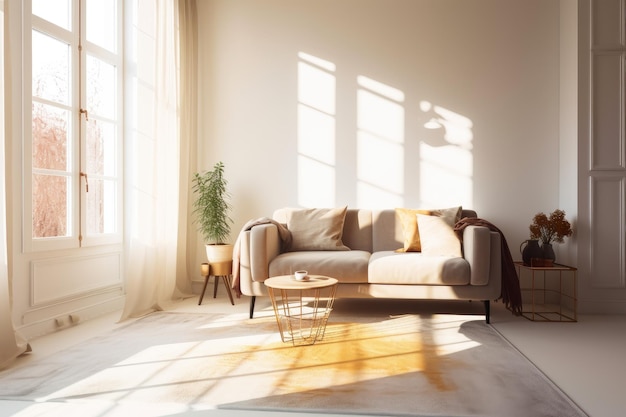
{"x":77,"y":217}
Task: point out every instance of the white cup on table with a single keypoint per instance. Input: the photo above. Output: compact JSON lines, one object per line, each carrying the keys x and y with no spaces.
{"x":300,"y":275}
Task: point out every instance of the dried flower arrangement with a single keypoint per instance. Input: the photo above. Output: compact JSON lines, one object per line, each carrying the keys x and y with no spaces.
{"x":549,"y":229}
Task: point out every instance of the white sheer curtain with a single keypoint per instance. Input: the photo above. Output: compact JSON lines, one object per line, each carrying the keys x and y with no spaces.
{"x":11,"y":343}
{"x":157,"y":157}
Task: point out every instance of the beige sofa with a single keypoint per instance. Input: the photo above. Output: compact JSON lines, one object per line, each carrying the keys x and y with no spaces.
{"x":369,"y":256}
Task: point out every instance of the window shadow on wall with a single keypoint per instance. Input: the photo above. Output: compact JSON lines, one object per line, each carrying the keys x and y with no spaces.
{"x":444,"y":152}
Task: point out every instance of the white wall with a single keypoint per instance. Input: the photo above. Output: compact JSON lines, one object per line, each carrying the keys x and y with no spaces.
{"x":495,"y":63}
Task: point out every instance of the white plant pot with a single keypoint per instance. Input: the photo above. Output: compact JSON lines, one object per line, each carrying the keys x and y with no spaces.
{"x":219,"y":253}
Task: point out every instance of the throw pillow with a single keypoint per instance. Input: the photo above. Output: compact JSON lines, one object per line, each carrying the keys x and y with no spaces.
{"x":410,"y":230}
{"x":437,"y":235}
{"x":317,"y":229}
{"x":408,"y":220}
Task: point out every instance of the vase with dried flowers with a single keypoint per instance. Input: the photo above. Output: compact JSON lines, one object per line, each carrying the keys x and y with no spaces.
{"x":548,"y":229}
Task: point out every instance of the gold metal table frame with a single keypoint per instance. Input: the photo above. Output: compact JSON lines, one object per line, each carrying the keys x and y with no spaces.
{"x":302,"y":308}
{"x":548,"y":292}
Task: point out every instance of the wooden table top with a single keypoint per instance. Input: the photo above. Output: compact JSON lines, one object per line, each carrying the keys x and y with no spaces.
{"x":289,"y":282}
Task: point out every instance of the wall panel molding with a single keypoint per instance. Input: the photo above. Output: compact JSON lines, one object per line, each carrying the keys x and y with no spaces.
{"x":608,"y":233}
{"x":608,"y":24}
{"x":608,"y":130}
{"x":58,"y":279}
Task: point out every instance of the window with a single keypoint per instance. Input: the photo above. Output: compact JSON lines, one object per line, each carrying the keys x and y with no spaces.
{"x":75,"y":124}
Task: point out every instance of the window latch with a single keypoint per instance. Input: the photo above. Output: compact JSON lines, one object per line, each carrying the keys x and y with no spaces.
{"x":82,"y":174}
{"x":86,"y":113}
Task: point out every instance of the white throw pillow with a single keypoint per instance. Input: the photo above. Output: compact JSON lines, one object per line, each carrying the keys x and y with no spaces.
{"x":410,"y":230}
{"x":437,"y":235}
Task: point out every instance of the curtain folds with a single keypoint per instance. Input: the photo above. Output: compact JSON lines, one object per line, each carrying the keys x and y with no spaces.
{"x":12,"y":344}
{"x":158,"y":161}
{"x":188,"y":122}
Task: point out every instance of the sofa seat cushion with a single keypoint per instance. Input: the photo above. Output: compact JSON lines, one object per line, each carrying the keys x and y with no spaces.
{"x":345,"y":266}
{"x":390,"y":267}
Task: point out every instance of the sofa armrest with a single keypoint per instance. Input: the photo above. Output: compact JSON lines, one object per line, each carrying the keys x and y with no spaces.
{"x":260,"y":245}
{"x":481,"y":249}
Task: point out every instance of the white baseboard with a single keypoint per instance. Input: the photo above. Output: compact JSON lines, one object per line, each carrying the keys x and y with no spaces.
{"x":596,"y":306}
{"x":50,"y":325}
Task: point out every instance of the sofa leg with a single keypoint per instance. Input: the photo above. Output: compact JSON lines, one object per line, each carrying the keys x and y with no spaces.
{"x":252,"y":300}
{"x":487,"y":311}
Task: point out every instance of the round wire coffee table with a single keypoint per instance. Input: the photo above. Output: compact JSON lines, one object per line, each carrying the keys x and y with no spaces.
{"x":302,"y":307}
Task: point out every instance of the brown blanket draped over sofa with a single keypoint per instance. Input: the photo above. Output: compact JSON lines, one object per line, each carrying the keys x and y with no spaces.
{"x":511,"y":293}
{"x":283,"y":232}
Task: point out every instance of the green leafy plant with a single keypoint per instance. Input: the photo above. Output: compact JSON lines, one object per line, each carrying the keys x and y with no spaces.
{"x":211,"y":206}
{"x":548,"y":229}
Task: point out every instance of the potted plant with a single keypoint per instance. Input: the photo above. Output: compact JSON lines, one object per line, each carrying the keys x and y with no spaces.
{"x":550,"y":229}
{"x":211,"y":209}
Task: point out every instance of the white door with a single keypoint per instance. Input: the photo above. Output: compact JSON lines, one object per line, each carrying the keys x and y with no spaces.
{"x":602,"y":150}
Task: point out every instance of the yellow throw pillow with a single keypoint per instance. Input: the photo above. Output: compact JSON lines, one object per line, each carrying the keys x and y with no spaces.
{"x":317,"y":229}
{"x":410,"y":230}
{"x":408,"y":220}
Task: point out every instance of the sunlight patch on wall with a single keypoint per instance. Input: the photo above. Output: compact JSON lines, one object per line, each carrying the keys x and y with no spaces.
{"x":446,"y":160}
{"x":380,"y":144}
{"x":316,"y":131}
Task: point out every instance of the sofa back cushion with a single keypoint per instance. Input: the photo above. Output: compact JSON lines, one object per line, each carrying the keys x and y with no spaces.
{"x":386,"y":231}
{"x":369,"y":230}
{"x":357,"y":229}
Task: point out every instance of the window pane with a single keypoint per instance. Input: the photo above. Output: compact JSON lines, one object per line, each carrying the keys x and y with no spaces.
{"x":50,"y":135}
{"x":101,"y":82}
{"x":51,"y":68}
{"x":100,"y":148}
{"x":54,"y":11}
{"x":50,"y":206}
{"x":101,"y":202}
{"x":101,"y":25}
